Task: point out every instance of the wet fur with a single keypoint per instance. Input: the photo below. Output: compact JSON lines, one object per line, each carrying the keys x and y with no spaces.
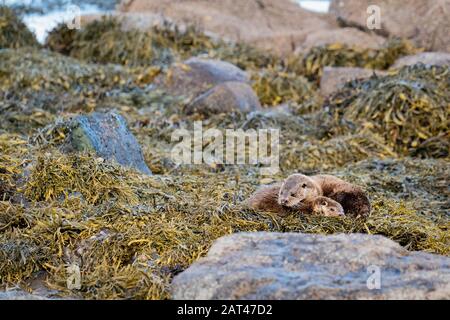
{"x":266,"y":199}
{"x":293,"y":185}
{"x":352,"y":198}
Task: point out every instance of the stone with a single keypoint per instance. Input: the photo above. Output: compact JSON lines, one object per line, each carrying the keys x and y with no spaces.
{"x":18,"y":294}
{"x":196,"y":76}
{"x":426,"y":23}
{"x":347,"y":36}
{"x":264,"y":265}
{"x":430,"y":58}
{"x":108,"y":136}
{"x":226,"y":97}
{"x":334,"y":78}
{"x":278,"y":26}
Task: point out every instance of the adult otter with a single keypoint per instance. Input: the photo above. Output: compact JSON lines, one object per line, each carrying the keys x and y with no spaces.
{"x":267,"y":199}
{"x":297,"y":188}
{"x":352,"y":198}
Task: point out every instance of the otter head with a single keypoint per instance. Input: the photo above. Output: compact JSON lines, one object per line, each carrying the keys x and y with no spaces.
{"x":327,"y":207}
{"x":297,"y":188}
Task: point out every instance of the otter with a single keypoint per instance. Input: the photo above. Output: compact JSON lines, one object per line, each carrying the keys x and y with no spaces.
{"x":297,"y":188}
{"x":324,"y":206}
{"x":352,"y":198}
{"x":267,"y":199}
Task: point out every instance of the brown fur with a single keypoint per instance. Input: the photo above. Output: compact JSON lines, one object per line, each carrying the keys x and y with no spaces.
{"x":352,"y":198}
{"x":296,"y":189}
{"x":324,"y":206}
{"x":266,"y":199}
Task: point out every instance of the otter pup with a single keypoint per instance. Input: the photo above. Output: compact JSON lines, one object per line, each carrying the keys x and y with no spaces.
{"x":267,"y":199}
{"x":352,"y":198}
{"x":324,"y":206}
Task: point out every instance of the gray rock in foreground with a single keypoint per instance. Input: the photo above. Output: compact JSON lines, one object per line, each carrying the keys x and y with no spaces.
{"x":17,"y":294}
{"x":107,"y":135}
{"x":266,"y":265}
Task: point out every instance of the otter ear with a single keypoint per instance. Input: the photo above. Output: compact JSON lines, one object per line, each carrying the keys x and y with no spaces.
{"x":323,"y":203}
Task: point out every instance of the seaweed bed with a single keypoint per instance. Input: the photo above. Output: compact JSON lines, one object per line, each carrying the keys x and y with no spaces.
{"x":129,"y":233}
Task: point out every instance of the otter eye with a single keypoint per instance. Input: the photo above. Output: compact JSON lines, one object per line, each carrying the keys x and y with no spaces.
{"x":332,"y":209}
{"x":292,"y":194}
{"x":304,"y":185}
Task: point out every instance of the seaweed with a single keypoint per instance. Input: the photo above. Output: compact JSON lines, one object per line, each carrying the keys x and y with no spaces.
{"x":409,"y":108}
{"x":105,"y":41}
{"x":128,"y":233}
{"x":37,"y":85}
{"x":274,"y":88}
{"x":133,"y":250}
{"x":13,"y":32}
{"x":312,"y":63}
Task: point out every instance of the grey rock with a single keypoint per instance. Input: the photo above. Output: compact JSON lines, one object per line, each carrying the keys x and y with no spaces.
{"x":265,"y":265}
{"x":17,"y":294}
{"x":107,"y":135}
{"x":274,"y":26}
{"x":347,"y":36}
{"x":197,"y":75}
{"x":224,"y":98}
{"x":429,"y":58}
{"x":334,"y":78}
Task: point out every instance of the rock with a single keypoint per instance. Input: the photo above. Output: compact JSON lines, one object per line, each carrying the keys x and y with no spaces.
{"x":17,"y":294}
{"x":135,"y":20}
{"x":347,"y":36}
{"x":430,"y":58}
{"x":225,"y":98}
{"x":107,"y":135}
{"x":278,"y":26}
{"x":265,"y":265}
{"x":334,"y":78}
{"x":196,"y":76}
{"x":424,"y":22}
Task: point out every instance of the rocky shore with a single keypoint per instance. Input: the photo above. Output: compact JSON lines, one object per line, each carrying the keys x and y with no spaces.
{"x":93,"y":205}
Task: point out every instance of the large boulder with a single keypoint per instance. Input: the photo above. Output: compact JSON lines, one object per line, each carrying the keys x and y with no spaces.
{"x":278,"y":26}
{"x":107,"y":135}
{"x":424,"y":22}
{"x":429,"y":58}
{"x":334,"y":78}
{"x":225,"y":98}
{"x":267,"y":265}
{"x":197,"y":75}
{"x":18,"y":294}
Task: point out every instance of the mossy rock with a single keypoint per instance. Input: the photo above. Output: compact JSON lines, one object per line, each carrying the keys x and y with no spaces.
{"x":107,"y":135}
